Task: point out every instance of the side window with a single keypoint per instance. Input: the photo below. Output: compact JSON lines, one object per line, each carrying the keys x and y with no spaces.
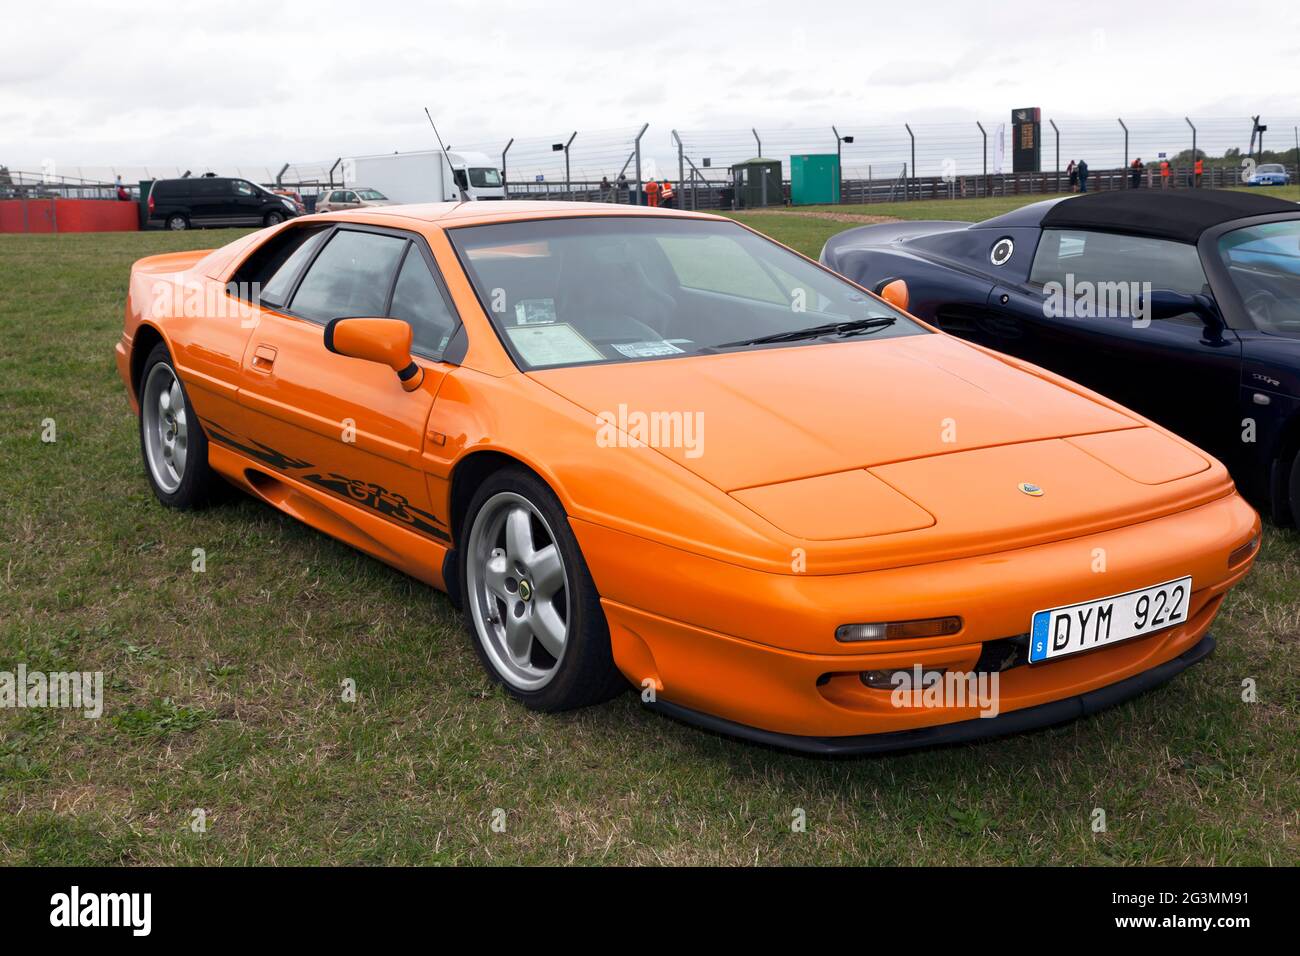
{"x":1074,"y":256}
{"x":351,"y":277}
{"x":242,"y":188}
{"x":418,"y":301}
{"x":336,"y":196}
{"x":349,"y":197}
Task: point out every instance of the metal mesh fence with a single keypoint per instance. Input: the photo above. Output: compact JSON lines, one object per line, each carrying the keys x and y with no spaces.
{"x":877,"y":161}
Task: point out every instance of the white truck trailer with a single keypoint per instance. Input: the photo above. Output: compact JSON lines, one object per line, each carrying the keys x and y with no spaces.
{"x":427,"y":175}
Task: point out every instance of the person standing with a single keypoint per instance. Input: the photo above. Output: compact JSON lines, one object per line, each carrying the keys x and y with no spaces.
{"x":604,"y":189}
{"x":1135,"y":174}
{"x":1083,"y":175}
{"x":1164,"y":174}
{"x":1072,"y":174}
{"x":1199,"y":167}
{"x":621,"y":185}
{"x":652,"y":193}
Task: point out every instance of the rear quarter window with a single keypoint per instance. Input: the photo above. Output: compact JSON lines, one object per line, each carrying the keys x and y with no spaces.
{"x":266,"y":277}
{"x":1071,"y":256}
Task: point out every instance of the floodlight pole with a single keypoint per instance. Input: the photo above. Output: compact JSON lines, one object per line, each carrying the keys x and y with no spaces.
{"x":681,"y":170}
{"x":758,"y":141}
{"x":505,"y":186}
{"x":912,"y":136}
{"x":1120,"y":120}
{"x":637,"y":150}
{"x":1058,"y":153}
{"x":332,"y":168}
{"x":279,"y":177}
{"x":839,"y":166}
{"x":986,"y":156}
{"x":1189,"y":123}
{"x":568,"y":186}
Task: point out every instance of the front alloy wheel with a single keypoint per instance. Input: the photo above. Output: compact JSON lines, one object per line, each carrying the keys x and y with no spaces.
{"x":519,"y":589}
{"x":530,"y":602}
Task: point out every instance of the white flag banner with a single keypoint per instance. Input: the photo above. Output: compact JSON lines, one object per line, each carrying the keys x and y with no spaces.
{"x":999,"y":148}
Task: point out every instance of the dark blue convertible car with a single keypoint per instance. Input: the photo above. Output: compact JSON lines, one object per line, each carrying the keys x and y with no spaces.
{"x":1184,"y":306}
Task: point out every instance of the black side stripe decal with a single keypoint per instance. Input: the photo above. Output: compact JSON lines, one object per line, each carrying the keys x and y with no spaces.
{"x":365,"y":494}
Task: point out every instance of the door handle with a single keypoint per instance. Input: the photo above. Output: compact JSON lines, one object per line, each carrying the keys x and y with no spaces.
{"x":263,"y":358}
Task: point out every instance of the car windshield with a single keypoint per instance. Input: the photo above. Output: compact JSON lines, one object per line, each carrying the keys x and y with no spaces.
{"x":622,"y":289}
{"x":371,"y":195}
{"x":484,"y":177}
{"x":1269,"y":168}
{"x":1263,"y":262}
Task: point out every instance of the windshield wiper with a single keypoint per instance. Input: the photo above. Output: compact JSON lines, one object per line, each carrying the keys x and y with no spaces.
{"x":815,"y":332}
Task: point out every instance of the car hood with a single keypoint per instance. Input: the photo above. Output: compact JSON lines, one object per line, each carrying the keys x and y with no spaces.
{"x":758,"y":417}
{"x":923,"y":445}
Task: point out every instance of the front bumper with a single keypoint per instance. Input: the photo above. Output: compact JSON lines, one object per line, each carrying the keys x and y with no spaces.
{"x":1014,"y":722}
{"x":756,"y":650}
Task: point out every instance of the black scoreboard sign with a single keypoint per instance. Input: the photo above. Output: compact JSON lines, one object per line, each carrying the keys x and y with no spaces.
{"x":1027,"y":136}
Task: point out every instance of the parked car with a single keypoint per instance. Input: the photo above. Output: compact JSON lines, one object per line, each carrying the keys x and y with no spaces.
{"x":1269,"y":174}
{"x":294,"y":197}
{"x":655,"y":447}
{"x":1216,"y":358}
{"x":353,"y":197}
{"x":208,"y":201}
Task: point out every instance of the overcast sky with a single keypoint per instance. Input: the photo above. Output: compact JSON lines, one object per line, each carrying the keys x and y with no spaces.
{"x":228,"y":81}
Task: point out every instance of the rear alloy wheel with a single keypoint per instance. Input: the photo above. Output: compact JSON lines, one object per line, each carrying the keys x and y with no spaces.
{"x":176,"y":222}
{"x":529,"y":599}
{"x":174,"y":447}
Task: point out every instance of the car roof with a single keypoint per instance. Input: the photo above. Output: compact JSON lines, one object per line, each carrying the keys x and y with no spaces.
{"x":1181,"y":215}
{"x":451,"y":214}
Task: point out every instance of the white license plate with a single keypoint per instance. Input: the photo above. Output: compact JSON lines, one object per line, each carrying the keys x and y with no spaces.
{"x":1059,"y":631}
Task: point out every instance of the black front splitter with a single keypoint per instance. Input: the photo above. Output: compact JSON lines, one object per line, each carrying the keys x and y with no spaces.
{"x":978,"y":728}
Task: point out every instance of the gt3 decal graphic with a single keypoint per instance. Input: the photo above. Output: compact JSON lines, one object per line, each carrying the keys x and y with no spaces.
{"x":380,"y":499}
{"x":367,"y":494}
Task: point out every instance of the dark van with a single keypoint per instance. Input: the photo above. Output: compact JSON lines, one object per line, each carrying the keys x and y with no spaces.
{"x":215,"y":201}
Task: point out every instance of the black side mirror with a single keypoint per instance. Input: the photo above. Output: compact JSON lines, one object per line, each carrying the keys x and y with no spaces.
{"x":1166,"y":304}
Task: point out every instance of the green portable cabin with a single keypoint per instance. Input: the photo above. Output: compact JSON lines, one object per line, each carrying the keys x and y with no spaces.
{"x":814,"y":178}
{"x":758,"y":183}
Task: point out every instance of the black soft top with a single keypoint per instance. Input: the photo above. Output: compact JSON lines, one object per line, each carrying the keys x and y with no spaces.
{"x":1181,"y":214}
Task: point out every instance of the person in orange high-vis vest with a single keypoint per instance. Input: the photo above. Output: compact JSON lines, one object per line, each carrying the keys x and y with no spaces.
{"x":1164,"y":173}
{"x":652,"y":193}
{"x":666,"y":194}
{"x":1200,"y":168}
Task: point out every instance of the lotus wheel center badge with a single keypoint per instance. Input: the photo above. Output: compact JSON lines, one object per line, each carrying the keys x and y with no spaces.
{"x":526,"y":589}
{"x":1030,"y":489}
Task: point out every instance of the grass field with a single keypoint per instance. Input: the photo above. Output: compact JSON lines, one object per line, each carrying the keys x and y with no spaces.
{"x":222,"y":688}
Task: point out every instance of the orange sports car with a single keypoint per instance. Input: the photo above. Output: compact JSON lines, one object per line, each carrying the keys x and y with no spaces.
{"x":653,"y":447}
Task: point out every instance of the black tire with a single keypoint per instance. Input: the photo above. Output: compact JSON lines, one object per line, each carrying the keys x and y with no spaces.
{"x":1293,"y":489}
{"x":585,"y":674}
{"x":177,"y":222}
{"x":197,"y":479}
{"x":273,"y":218}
